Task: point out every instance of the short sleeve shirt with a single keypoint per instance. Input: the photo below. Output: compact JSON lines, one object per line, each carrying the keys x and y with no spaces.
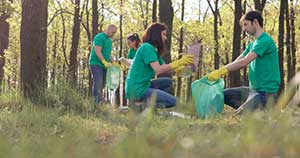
{"x":264,"y":72}
{"x":140,"y":73}
{"x":103,"y":41}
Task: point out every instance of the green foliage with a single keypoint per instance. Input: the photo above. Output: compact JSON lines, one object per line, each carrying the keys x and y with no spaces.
{"x":64,"y":97}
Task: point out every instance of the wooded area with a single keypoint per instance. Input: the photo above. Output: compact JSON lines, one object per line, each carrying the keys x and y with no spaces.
{"x":43,"y":42}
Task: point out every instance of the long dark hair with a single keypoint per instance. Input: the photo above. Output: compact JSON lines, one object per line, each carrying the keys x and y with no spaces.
{"x":135,"y":37}
{"x":152,"y":35}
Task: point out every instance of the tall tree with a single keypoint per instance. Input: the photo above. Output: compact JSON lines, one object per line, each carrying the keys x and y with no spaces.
{"x":144,"y":12}
{"x":120,"y":99}
{"x":236,"y":48}
{"x":259,"y":5}
{"x":287,"y":41}
{"x":95,"y":18}
{"x":216,"y":14}
{"x":75,"y":41}
{"x":5,"y":10}
{"x":293,"y":38}
{"x":154,"y":11}
{"x":280,"y":42}
{"x":166,"y":14}
{"x":180,"y":51}
{"x":245,"y":74}
{"x":33,"y":47}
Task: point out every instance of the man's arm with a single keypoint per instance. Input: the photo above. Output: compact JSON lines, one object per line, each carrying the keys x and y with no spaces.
{"x":98,"y":51}
{"x":241,"y":62}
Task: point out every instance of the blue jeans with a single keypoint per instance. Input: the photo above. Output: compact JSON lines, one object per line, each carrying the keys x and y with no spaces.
{"x":244,"y":98}
{"x":162,"y":87}
{"x":99,"y":79}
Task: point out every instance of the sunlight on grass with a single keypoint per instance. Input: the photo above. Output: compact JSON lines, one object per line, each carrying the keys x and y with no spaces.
{"x":28,"y":130}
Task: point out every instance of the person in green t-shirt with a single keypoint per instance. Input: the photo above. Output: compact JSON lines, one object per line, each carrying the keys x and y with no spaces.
{"x":100,"y":57}
{"x":133,"y":42}
{"x":147,"y":63}
{"x":264,"y":74}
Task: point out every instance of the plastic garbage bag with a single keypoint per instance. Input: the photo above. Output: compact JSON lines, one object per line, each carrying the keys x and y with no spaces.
{"x":113,"y":77}
{"x":208,"y":96}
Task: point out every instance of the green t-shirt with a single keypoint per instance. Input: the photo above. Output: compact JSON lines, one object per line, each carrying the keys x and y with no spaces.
{"x":140,"y":74}
{"x":264,"y":73}
{"x":131,"y":53}
{"x":103,"y":41}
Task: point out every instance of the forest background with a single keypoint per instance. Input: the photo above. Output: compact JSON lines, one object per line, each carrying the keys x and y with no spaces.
{"x":44,"y":50}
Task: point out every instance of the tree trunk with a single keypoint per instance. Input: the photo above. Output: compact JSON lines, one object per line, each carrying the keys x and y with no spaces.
{"x":33,"y":48}
{"x":236,"y":48}
{"x":216,"y":33}
{"x":180,"y":51}
{"x":54,"y":60}
{"x":280,"y":43}
{"x":95,"y":24}
{"x":293,"y":39}
{"x":4,"y":34}
{"x":144,"y":14}
{"x":120,"y":97}
{"x":154,"y":11}
{"x":74,"y":47}
{"x":166,"y":14}
{"x":287,"y":41}
{"x":259,"y":5}
{"x":245,"y":74}
{"x":95,"y":18}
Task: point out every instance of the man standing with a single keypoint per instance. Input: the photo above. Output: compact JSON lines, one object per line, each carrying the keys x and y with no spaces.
{"x":99,"y":60}
{"x":264,"y":75}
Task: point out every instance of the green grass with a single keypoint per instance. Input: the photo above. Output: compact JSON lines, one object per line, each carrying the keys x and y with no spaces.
{"x":65,"y":125}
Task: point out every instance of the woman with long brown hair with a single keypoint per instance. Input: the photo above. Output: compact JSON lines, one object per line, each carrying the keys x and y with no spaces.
{"x":147,"y":63}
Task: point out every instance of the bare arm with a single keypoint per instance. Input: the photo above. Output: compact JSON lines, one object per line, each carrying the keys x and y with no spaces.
{"x":160,"y":69}
{"x":241,"y":62}
{"x":98,"y":51}
{"x":111,"y":58}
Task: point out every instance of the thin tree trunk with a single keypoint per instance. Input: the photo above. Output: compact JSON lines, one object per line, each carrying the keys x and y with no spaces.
{"x":154,"y":11}
{"x":4,"y":34}
{"x":293,"y":39}
{"x":287,"y":41}
{"x":280,"y":43}
{"x":236,"y":48}
{"x":74,"y":47}
{"x":259,"y":5}
{"x":54,"y":60}
{"x":120,"y":97}
{"x":216,"y":33}
{"x":180,"y":51}
{"x":95,"y":24}
{"x":245,"y":74}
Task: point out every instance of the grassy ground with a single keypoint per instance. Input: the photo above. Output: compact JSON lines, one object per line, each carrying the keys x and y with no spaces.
{"x":66,"y":125}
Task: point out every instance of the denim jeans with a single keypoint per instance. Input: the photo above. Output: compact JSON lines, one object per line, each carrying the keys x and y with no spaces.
{"x":162,"y":87}
{"x":244,"y":98}
{"x":99,"y":79}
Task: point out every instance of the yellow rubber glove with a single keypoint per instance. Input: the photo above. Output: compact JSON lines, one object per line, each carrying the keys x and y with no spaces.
{"x":105,"y":63}
{"x":116,"y":64}
{"x":124,"y":67}
{"x":215,"y":75}
{"x":179,"y":69}
{"x":186,"y":59}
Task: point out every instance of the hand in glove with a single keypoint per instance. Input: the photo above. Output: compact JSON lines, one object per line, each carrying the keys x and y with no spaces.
{"x":215,"y":75}
{"x":179,"y":69}
{"x":186,"y":59}
{"x":116,"y":64}
{"x":105,"y":63}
